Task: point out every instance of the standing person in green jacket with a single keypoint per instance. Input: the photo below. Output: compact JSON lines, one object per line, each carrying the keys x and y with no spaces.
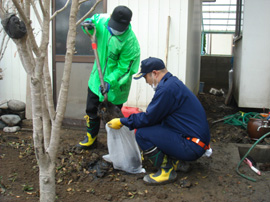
{"x":119,"y":54}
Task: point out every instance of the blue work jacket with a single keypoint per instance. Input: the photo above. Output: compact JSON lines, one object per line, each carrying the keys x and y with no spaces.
{"x":173,"y":106}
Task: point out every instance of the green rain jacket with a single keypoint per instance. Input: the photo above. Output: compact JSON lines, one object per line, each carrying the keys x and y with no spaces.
{"x":119,"y":59}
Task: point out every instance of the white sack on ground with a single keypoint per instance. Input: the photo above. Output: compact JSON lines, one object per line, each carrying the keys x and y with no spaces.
{"x":123,"y":149}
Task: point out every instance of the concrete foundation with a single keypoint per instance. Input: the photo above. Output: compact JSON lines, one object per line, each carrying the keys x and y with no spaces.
{"x":260,"y":153}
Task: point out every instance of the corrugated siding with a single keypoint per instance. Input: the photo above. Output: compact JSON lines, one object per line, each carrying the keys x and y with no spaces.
{"x":13,"y":85}
{"x":149,"y":23}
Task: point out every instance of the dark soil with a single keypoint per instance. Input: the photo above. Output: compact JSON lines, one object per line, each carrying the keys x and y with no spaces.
{"x":84,"y":176}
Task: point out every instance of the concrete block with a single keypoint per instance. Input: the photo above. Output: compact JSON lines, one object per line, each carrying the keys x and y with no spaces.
{"x":260,"y":153}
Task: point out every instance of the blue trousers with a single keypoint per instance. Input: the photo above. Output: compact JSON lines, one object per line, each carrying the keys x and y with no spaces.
{"x":169,"y":142}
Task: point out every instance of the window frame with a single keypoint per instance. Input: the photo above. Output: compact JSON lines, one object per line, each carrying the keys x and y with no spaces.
{"x":239,"y":20}
{"x":61,"y":58}
{"x":76,"y":58}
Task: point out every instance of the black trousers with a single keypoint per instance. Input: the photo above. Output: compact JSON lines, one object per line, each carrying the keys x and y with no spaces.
{"x":92,"y":105}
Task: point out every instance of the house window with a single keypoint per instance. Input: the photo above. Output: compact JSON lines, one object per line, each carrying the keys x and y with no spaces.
{"x":82,"y":61}
{"x":218,"y":27}
{"x":83,"y":43}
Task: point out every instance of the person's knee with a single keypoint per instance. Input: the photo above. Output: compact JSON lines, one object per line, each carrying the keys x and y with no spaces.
{"x":139,"y":134}
{"x":141,"y":140}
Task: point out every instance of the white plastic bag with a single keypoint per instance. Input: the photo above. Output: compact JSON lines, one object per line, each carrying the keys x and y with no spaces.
{"x":123,"y":149}
{"x":208,"y":152}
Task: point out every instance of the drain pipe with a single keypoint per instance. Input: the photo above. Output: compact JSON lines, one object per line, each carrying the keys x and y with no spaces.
{"x":237,"y":169}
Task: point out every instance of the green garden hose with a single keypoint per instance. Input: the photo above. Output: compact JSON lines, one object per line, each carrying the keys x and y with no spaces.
{"x":241,"y":118}
{"x":237,"y":169}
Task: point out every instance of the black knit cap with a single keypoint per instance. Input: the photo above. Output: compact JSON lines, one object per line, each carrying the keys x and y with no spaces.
{"x":120,"y":18}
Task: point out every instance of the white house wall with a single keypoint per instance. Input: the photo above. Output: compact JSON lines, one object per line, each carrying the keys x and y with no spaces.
{"x":149,"y":23}
{"x":252,"y":77}
{"x":14,"y":83}
{"x":221,"y":44}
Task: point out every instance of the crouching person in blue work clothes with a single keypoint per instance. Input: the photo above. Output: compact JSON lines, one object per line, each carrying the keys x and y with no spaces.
{"x":174,"y":127}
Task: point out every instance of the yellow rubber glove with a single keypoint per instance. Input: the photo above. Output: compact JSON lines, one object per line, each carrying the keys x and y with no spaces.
{"x":115,"y":123}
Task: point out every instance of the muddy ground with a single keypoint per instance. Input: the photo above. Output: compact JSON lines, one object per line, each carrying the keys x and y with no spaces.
{"x":84,"y":176}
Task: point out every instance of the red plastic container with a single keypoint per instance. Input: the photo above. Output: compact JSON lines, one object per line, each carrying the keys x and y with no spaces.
{"x":130,"y":110}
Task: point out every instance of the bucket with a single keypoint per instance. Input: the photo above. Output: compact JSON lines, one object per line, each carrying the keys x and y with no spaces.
{"x":127,"y":111}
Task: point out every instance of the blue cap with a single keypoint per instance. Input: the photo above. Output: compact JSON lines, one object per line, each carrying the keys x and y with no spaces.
{"x":148,"y":65}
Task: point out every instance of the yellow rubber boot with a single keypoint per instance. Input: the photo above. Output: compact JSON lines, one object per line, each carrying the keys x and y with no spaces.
{"x":91,"y":135}
{"x":87,"y":142}
{"x":165,"y":174}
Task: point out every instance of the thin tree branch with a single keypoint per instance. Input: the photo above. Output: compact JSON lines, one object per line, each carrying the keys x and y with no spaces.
{"x":48,"y":90}
{"x":63,"y":94}
{"x":82,"y":1}
{"x":28,"y":26}
{"x":3,"y":45}
{"x":2,"y":11}
{"x":90,"y":11}
{"x":27,"y":8}
{"x":45,"y":117}
{"x":36,"y":12}
{"x":44,"y":41}
{"x":20,"y":11}
{"x":42,"y":7}
{"x":26,"y":55}
{"x":60,"y":10}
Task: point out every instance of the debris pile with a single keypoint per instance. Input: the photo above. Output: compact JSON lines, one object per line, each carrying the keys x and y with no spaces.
{"x":12,"y":113}
{"x":217,"y":92}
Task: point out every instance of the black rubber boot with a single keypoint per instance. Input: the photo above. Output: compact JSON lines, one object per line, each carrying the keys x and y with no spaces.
{"x":181,"y":166}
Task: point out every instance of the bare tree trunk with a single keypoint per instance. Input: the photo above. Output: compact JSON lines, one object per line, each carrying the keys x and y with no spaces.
{"x":47,"y":182}
{"x":47,"y":121}
{"x":47,"y":166}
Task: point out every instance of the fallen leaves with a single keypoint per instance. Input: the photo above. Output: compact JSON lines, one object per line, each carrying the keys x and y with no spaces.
{"x":70,"y":189}
{"x":132,"y":194}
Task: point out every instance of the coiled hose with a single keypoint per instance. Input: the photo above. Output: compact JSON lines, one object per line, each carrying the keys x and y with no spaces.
{"x":241,"y":118}
{"x":237,"y":168}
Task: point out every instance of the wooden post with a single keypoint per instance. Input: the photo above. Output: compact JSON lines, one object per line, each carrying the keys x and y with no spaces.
{"x":167,"y":40}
